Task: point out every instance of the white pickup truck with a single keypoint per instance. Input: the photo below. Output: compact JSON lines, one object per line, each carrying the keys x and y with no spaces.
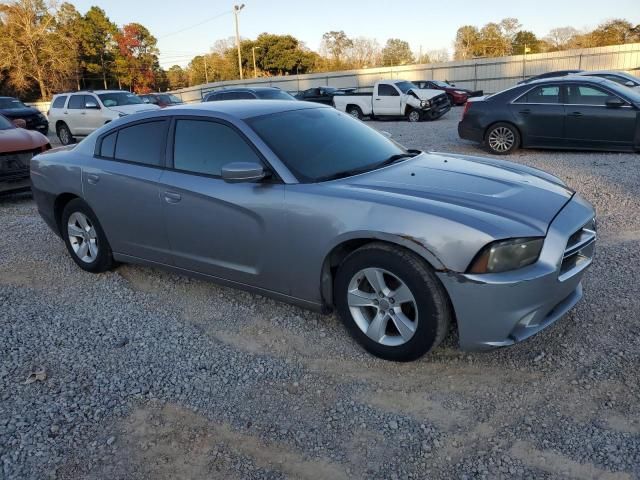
{"x":395,"y":98}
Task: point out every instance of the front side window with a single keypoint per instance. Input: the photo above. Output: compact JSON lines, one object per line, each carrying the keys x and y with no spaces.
{"x":327,"y":142}
{"x":142,"y":143}
{"x":541,"y":94}
{"x":76,"y":102}
{"x":202,"y":146}
{"x":117,"y":99}
{"x":587,"y":95}
{"x":385,"y":90}
{"x":59,"y":102}
{"x":9,"y":103}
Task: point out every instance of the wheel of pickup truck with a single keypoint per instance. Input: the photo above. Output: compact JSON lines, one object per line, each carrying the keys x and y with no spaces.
{"x":414,"y":115}
{"x":64,"y":134}
{"x":391,"y":302}
{"x":355,"y":112}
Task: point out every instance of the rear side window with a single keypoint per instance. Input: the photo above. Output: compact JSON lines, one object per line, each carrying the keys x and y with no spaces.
{"x":59,"y":102}
{"x":76,"y":102}
{"x":542,"y":94}
{"x":142,"y":143}
{"x":202,"y":146}
{"x":108,"y":145}
{"x":385,"y":90}
{"x":243,"y":96}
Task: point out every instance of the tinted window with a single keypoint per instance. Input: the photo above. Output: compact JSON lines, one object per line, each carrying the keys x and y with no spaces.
{"x":108,"y":146}
{"x":76,"y":102}
{"x":587,"y":95}
{"x":387,"y":91}
{"x":204,"y":147}
{"x":542,"y":94}
{"x":8,"y":103}
{"x":273,"y":95}
{"x":319,"y":143}
{"x":618,"y":79}
{"x":242,"y":96}
{"x":5,"y":124}
{"x":59,"y":102}
{"x":142,"y":143}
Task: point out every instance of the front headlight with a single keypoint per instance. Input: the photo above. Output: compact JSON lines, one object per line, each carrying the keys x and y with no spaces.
{"x":460,"y":92}
{"x":507,"y":255}
{"x":423,"y":103}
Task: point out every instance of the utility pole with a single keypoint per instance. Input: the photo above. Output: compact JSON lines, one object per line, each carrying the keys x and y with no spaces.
{"x":255,"y":70}
{"x":525,"y":50}
{"x":236,"y":12}
{"x":206,"y":74}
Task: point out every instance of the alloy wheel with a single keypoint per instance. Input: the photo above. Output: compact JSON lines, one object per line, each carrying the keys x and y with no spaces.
{"x":382,"y":306}
{"x":414,"y":116}
{"x":82,"y":237}
{"x":501,"y":139}
{"x":65,"y":137}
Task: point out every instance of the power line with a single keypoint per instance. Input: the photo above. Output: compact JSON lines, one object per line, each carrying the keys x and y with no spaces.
{"x":195,"y":24}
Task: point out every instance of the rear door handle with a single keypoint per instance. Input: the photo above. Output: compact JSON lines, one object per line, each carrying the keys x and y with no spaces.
{"x":92,"y":178}
{"x":575,"y":114}
{"x":525,"y":112}
{"x":172,"y":197}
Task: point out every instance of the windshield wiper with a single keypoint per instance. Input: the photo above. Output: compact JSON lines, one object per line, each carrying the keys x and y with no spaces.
{"x":387,"y":161}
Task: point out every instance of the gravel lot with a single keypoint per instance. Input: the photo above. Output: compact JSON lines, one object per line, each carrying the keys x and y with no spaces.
{"x":157,"y":376}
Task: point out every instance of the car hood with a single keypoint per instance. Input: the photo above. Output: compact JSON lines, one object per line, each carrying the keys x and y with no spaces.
{"x":19,"y":112}
{"x":426,"y":93}
{"x":129,"y":109}
{"x":16,"y":139}
{"x":481,"y":187}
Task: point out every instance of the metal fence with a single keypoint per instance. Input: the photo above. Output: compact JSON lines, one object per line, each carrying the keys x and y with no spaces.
{"x":488,"y":74}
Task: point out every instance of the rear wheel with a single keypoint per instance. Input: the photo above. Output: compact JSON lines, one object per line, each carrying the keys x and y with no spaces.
{"x":502,"y":138}
{"x":355,"y":112}
{"x":84,"y":238}
{"x":64,"y":134}
{"x":391,"y":302}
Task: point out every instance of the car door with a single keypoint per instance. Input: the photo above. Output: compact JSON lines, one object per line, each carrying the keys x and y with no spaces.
{"x":233,"y":231}
{"x":92,"y":116}
{"x":592,"y":124}
{"x":540,"y":116}
{"x":386,"y":100}
{"x":121,"y":185}
{"x":73,"y":115}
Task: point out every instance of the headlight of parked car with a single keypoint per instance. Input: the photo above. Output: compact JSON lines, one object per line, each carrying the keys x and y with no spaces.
{"x":507,"y":255}
{"x":460,"y":92}
{"x":424,"y":103}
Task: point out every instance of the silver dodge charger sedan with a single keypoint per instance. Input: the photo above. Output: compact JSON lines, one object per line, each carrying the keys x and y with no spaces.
{"x":300,"y":202}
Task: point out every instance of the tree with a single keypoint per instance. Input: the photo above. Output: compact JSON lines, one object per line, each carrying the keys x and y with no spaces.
{"x":177,"y":77}
{"x":614,"y":32}
{"x":335,"y":45}
{"x":396,"y":52}
{"x":98,"y":45}
{"x":363,"y":52}
{"x":560,"y":37}
{"x":523,"y":39}
{"x":137,"y":60}
{"x":466,"y":43}
{"x":493,"y":41}
{"x":70,"y":29}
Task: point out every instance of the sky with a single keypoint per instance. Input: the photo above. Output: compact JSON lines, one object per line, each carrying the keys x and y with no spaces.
{"x":186,"y":28}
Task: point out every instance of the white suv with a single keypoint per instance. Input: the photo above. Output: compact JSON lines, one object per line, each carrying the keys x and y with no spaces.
{"x":78,"y":114}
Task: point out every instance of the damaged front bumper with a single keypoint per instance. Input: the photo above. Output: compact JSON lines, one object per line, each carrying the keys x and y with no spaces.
{"x":494,"y":310}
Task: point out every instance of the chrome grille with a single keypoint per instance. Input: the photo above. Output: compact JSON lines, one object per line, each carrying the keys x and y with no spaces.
{"x":579,"y":251}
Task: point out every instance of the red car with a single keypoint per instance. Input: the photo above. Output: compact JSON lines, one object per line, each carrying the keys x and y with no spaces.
{"x":161,"y":99}
{"x":457,"y":96}
{"x":17,"y":147}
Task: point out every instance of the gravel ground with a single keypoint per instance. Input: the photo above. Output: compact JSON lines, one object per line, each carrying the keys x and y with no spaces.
{"x":146,"y":374}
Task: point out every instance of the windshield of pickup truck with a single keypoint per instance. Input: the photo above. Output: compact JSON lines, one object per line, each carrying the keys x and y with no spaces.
{"x":405,"y":86}
{"x":317,"y":144}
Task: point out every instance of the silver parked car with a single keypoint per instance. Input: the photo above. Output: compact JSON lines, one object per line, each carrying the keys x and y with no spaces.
{"x":300,"y":202}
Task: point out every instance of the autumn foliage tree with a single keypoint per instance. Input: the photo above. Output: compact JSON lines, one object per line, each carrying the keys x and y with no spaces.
{"x":137,"y":57}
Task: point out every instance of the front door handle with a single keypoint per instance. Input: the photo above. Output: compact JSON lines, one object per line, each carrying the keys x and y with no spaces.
{"x":172,"y":197}
{"x":525,"y":112}
{"x":575,"y":114}
{"x":92,"y":178}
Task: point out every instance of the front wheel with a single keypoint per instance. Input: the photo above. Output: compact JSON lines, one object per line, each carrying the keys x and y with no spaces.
{"x":84,"y":238}
{"x":414,"y":115}
{"x":391,"y":302}
{"x":502,"y":139}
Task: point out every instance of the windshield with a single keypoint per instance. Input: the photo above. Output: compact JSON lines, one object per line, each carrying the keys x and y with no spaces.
{"x":441,"y":84}
{"x":319,"y":143}
{"x":625,"y":92}
{"x":11,"y":104}
{"x":118,"y":99}
{"x":5,"y":124}
{"x":405,"y":86}
{"x":166,"y":98}
{"x":273,"y":95}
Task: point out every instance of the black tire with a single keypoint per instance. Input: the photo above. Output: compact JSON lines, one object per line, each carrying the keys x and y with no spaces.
{"x":414,"y":115}
{"x":64,"y":134}
{"x":433,"y":307}
{"x":103,"y":260}
{"x":451,"y":101}
{"x":510,"y":132}
{"x":355,"y":112}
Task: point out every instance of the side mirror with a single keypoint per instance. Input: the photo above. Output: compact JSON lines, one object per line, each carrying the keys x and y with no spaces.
{"x":236,"y":172}
{"x":614,"y":102}
{"x":20,"y":123}
{"x":630,"y":84}
{"x":91,"y":105}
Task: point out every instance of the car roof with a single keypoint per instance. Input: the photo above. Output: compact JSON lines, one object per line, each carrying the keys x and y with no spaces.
{"x":566,"y":79}
{"x":245,"y":89}
{"x":91,"y":91}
